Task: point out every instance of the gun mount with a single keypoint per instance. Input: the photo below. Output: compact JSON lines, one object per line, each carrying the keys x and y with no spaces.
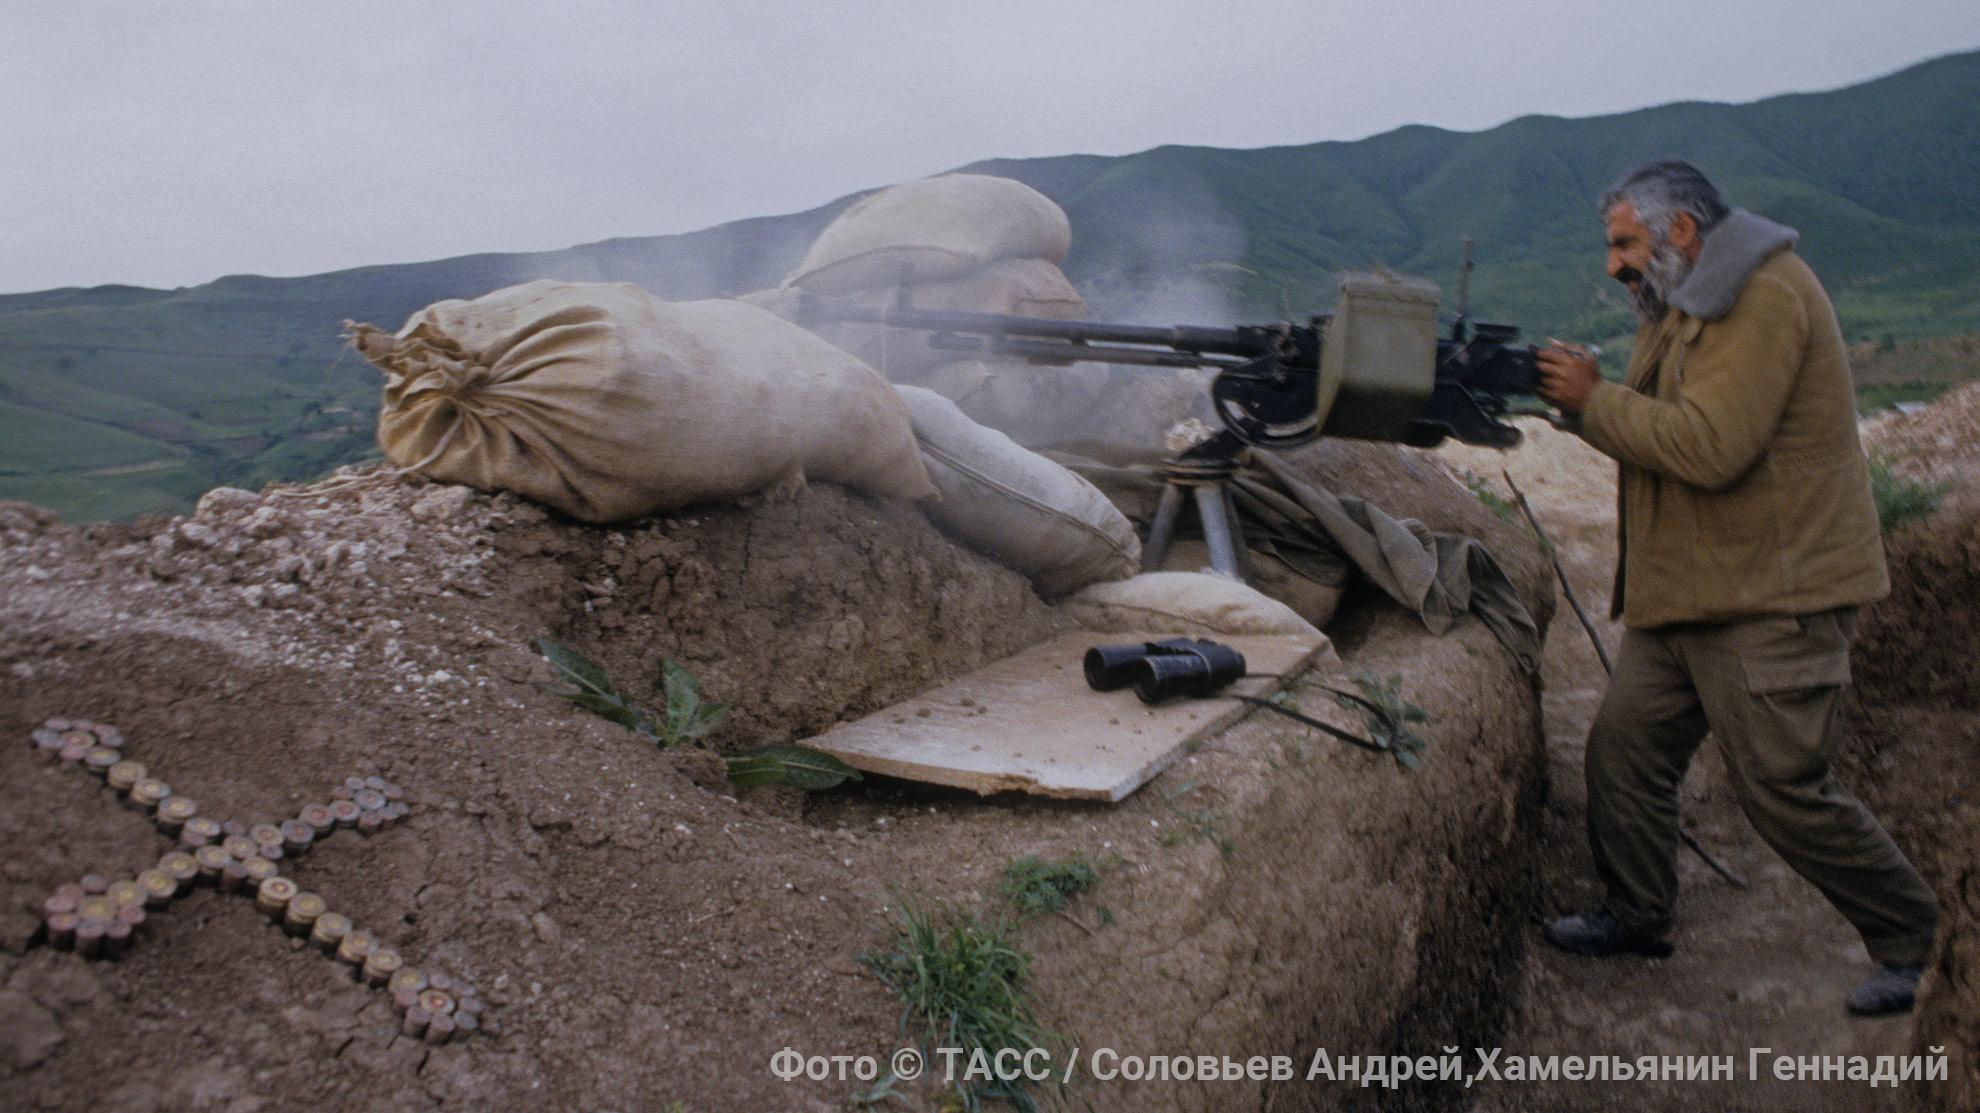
{"x":1374,"y":369}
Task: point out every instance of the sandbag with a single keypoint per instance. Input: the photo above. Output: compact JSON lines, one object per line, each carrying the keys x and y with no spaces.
{"x":607,"y":403}
{"x":1182,"y":603}
{"x":930,"y":230}
{"x":1015,"y":506}
{"x":1311,"y":599}
{"x":1020,"y":287}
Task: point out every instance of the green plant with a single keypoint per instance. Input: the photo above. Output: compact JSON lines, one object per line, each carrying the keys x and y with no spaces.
{"x":963,"y":982}
{"x":1388,"y":714}
{"x":1035,"y":885}
{"x":1899,"y":499}
{"x":1493,"y":500}
{"x":1204,"y":822}
{"x":685,"y":717}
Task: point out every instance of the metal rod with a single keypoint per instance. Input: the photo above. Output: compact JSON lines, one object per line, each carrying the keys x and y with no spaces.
{"x":1217,"y":530}
{"x":1567,"y":589}
{"x":1161,"y":529}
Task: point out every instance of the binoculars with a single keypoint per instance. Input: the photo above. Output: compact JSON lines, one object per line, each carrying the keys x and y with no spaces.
{"x":1164,"y":670}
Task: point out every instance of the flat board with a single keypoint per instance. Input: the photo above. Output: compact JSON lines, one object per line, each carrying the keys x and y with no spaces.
{"x":1029,"y":723}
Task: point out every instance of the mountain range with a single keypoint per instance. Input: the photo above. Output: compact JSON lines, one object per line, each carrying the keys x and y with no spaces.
{"x":117,"y":400}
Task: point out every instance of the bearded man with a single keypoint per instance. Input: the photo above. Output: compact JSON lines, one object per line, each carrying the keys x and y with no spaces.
{"x":1748,"y":539}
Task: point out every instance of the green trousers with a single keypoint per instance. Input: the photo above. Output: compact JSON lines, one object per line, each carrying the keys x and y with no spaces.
{"x":1768,"y":689}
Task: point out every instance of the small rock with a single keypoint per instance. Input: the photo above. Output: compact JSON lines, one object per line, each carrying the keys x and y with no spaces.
{"x":546,"y":928}
{"x":21,"y":670}
{"x":28,"y":1032}
{"x":37,"y":574}
{"x":225,"y":500}
{"x":443,"y":503}
{"x":198,"y":536}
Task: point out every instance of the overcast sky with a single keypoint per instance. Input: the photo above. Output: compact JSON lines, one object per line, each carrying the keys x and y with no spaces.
{"x":168,"y":143}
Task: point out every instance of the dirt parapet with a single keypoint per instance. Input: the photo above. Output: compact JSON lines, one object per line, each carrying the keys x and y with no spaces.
{"x":642,"y":933}
{"x":1915,"y":741}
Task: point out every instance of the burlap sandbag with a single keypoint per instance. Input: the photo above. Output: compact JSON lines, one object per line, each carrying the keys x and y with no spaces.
{"x":608,"y":403}
{"x":1019,"y":287}
{"x":1182,"y":603}
{"x":1311,"y":599}
{"x":930,"y":230}
{"x":1015,"y":506}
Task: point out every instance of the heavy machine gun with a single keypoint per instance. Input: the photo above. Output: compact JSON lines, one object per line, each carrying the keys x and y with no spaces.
{"x":1374,"y":369}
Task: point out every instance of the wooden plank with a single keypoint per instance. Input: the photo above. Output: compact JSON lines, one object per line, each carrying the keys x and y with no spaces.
{"x":1029,"y":723}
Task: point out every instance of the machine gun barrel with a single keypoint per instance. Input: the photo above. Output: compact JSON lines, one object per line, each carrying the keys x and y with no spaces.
{"x":1053,"y":340}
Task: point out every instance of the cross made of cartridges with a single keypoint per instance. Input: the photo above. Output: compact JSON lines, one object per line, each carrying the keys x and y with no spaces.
{"x":99,"y":918}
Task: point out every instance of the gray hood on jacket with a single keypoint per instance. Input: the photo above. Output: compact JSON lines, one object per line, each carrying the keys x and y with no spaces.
{"x":1734,"y":249}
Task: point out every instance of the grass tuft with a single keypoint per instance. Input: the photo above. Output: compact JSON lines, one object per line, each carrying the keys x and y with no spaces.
{"x":1037,"y":885}
{"x":1901,"y":500}
{"x":964,"y":983}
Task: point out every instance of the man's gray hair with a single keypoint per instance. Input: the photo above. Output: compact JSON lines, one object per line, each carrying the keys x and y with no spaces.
{"x":1660,"y":190}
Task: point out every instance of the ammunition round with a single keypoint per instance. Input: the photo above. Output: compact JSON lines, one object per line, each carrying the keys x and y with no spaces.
{"x":181,"y":867}
{"x":381,"y":964}
{"x":94,"y":883}
{"x":415,"y":1021}
{"x":59,"y":724}
{"x":148,"y":792}
{"x":125,"y":893}
{"x":89,"y":937}
{"x":71,"y":889}
{"x":159,"y":888}
{"x":296,"y":836}
{"x":442,"y":982}
{"x":440,"y":1029}
{"x":212,"y":860}
{"x":234,"y":827}
{"x":240,"y":846}
{"x":199,"y":831}
{"x":274,"y":894}
{"x":116,"y":937}
{"x":354,"y":783}
{"x":465,"y":1024}
{"x":370,"y":822}
{"x":99,"y":759}
{"x":74,"y":737}
{"x":356,"y":947}
{"x":341,"y":792}
{"x":108,"y":735}
{"x":267,"y":834}
{"x":233,"y":876}
{"x":270,"y":850}
{"x":132,"y":914}
{"x":58,"y":904}
{"x":374,"y":781}
{"x":123,"y":775}
{"x":397,"y":809}
{"x":370,"y":799}
{"x":392,"y":792}
{"x":73,"y":751}
{"x":318,"y":817}
{"x":345,"y":813}
{"x":303,"y":912}
{"x":407,"y":979}
{"x":45,"y":739}
{"x":259,"y":869}
{"x":97,"y":907}
{"x":436,"y":1001}
{"x":173,"y":811}
{"x":404,"y":998}
{"x":329,"y":930}
{"x":62,"y":930}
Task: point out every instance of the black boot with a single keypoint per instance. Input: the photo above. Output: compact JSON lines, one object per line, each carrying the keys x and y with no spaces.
{"x":1598,"y":935}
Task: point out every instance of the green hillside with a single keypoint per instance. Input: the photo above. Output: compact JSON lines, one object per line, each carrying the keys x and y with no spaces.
{"x":118,"y":400}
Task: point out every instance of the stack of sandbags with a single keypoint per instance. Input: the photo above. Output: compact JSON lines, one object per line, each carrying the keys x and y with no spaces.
{"x":980,"y":244}
{"x":1016,"y":506}
{"x":607,"y":403}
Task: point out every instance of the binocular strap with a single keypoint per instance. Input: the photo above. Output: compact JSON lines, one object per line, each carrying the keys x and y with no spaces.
{"x":1349,"y":737}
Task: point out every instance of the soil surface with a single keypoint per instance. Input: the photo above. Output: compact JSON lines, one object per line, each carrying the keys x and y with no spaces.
{"x":642,"y":933}
{"x":1766,"y":967}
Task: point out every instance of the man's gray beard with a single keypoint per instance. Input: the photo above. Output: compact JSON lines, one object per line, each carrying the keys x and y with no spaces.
{"x":1667,"y":271}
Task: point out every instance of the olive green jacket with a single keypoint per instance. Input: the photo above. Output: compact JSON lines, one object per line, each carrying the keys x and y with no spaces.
{"x":1743,"y":487}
